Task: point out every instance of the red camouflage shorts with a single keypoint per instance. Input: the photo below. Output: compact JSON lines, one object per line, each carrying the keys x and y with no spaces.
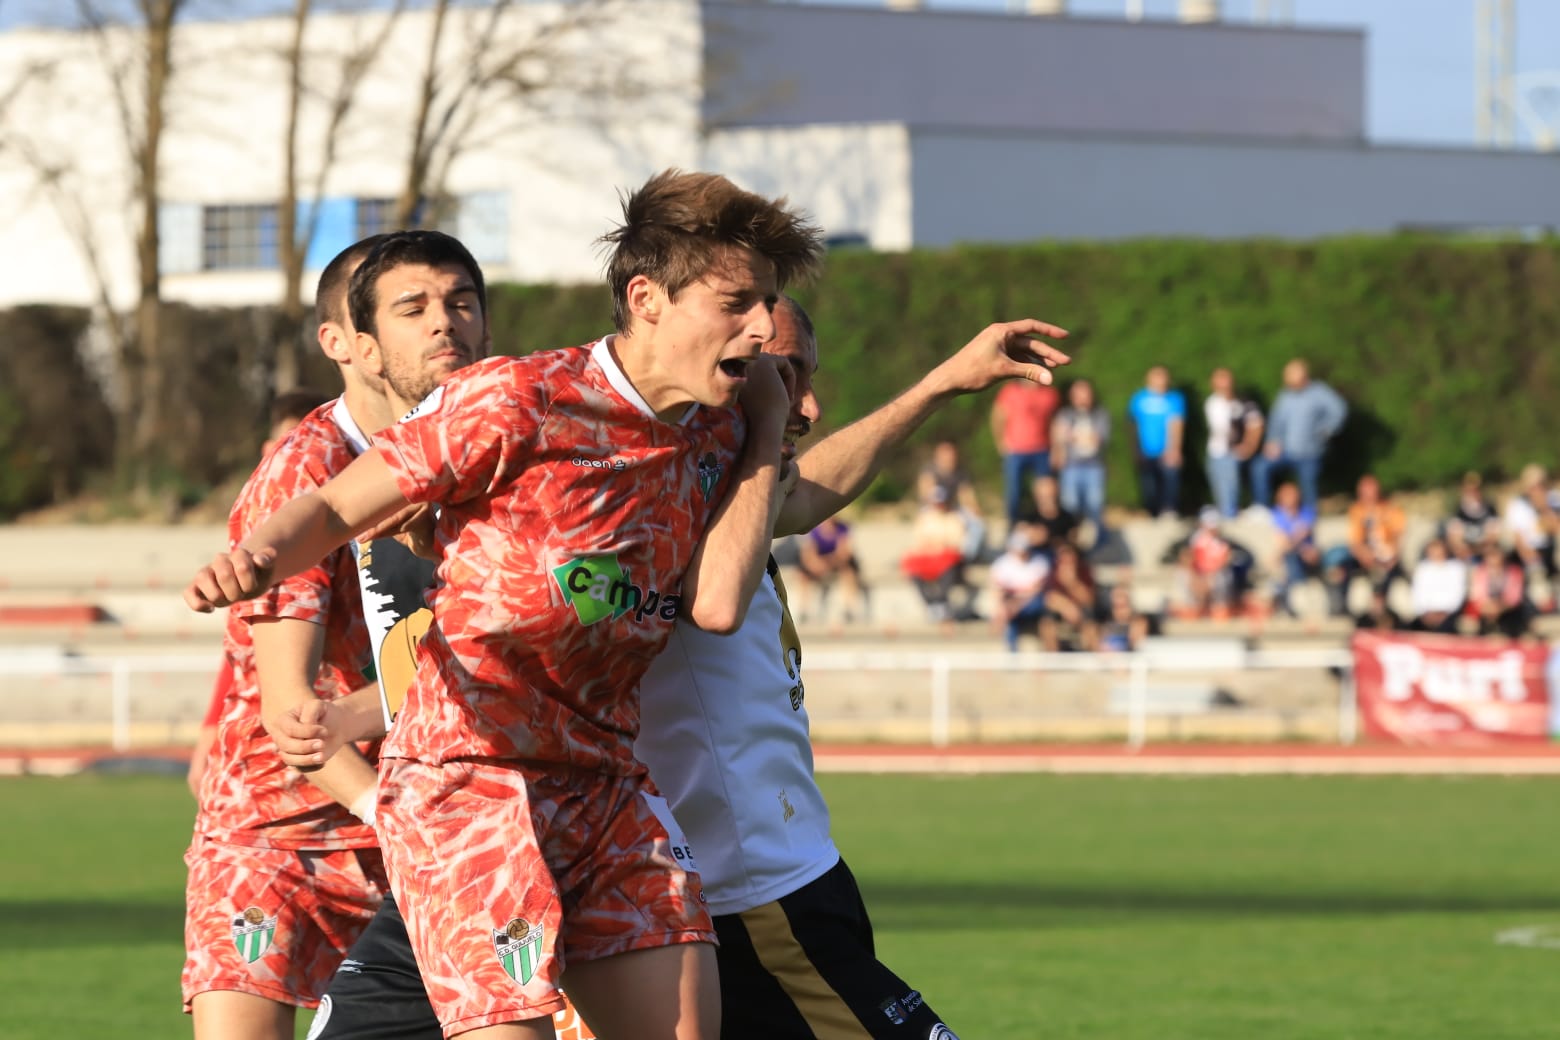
{"x":505,"y":873}
{"x":274,"y":922}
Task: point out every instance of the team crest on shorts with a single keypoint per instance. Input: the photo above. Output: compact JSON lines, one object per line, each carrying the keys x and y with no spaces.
{"x":252,"y":933}
{"x":941,"y":1032}
{"x":519,"y":948}
{"x":709,"y":474}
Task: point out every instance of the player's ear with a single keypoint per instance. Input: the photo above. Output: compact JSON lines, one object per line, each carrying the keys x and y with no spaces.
{"x":645,"y":299}
{"x":335,"y":343}
{"x":368,"y":354}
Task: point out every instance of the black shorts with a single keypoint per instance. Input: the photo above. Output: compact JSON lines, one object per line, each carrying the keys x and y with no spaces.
{"x":377,"y":993}
{"x":804,"y":967}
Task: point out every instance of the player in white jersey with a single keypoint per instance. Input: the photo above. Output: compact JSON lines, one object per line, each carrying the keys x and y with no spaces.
{"x":726,"y":738}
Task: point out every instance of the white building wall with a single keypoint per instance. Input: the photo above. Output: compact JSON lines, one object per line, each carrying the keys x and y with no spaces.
{"x":854,"y":180}
{"x":557,"y":173}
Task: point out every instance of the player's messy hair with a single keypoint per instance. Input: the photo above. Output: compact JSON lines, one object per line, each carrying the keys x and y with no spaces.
{"x":675,"y":227}
{"x":330,"y":296}
{"x":399,"y":249}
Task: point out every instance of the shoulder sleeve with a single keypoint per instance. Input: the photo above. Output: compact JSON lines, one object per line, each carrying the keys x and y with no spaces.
{"x":300,"y":465}
{"x":470,"y":435}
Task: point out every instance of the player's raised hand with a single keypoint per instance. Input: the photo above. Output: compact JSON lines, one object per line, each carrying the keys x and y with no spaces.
{"x":228,"y":578}
{"x":307,"y":734}
{"x":1006,"y":350}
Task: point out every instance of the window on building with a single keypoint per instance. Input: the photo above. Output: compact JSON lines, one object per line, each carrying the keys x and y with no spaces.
{"x":238,"y":237}
{"x":374,"y":217}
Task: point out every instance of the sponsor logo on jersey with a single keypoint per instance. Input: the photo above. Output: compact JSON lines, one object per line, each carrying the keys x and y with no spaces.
{"x":890,"y":1007}
{"x":787,"y":810}
{"x":253,"y":932}
{"x":911,"y":1001}
{"x":585,"y":462}
{"x":599,"y":587}
{"x":519,"y":948}
{"x":709,"y":474}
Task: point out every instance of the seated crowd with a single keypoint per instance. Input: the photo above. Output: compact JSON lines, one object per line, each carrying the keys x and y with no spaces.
{"x":1485,"y":571}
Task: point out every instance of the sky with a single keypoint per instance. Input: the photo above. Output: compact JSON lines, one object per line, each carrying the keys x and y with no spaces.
{"x":1420,"y":53}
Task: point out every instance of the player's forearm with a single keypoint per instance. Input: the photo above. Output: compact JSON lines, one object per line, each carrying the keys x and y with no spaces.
{"x":346,"y":777}
{"x":361,"y":714}
{"x":839,"y":468}
{"x":298,"y":535}
{"x":305,"y":530}
{"x":729,"y":562}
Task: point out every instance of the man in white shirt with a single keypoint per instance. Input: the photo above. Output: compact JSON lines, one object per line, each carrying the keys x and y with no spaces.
{"x":1234,"y":436}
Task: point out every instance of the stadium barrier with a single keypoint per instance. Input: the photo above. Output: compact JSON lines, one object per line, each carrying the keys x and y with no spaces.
{"x":940,"y":697}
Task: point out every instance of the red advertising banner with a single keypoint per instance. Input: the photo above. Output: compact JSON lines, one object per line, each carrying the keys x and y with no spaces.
{"x":1451,"y":691}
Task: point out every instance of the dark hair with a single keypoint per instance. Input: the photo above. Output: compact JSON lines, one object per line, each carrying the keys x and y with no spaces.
{"x":296,"y":404}
{"x":675,"y":226}
{"x":330,"y":295}
{"x":399,"y":249}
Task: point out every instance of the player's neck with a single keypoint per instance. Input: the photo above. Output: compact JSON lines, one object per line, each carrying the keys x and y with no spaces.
{"x":637,"y":357}
{"x":370,"y":410}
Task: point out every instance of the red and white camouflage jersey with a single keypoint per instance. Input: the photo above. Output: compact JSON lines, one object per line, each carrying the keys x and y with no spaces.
{"x":569,"y":513}
{"x":247,"y":796}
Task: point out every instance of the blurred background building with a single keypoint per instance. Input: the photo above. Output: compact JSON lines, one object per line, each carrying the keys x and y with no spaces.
{"x":897,"y":126}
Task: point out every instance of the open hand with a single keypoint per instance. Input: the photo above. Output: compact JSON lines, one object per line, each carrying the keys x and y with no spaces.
{"x":1006,"y":350}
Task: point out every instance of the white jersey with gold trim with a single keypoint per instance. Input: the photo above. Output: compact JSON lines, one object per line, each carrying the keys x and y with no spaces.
{"x":724,"y":732}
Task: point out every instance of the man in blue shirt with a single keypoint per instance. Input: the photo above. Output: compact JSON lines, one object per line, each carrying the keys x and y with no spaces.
{"x":1158,"y":416}
{"x":1306,"y":415}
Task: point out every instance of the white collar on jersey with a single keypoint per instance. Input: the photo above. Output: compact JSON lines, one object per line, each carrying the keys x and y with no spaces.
{"x":354,"y":433}
{"x":602,"y":355}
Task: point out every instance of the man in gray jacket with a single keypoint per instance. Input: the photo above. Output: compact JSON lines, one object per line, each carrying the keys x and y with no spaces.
{"x":1306,"y":414}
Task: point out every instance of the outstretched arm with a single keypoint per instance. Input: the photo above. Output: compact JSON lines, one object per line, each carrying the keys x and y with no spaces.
{"x":840,"y":466}
{"x":299,"y":534}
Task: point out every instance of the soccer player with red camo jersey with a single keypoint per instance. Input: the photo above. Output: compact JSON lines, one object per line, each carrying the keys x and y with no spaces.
{"x":282,"y":879}
{"x":575,"y":487}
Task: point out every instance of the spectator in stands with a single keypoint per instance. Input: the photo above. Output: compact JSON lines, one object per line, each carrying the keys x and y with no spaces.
{"x":1532,"y":518}
{"x":1294,"y":522}
{"x":1473,"y":521}
{"x":1379,"y":615}
{"x":1070,"y":600}
{"x":1374,"y":549}
{"x":1439,"y":589}
{"x":825,"y":559}
{"x":1306,"y":415}
{"x":1497,"y":594}
{"x":1079,"y":436}
{"x":1045,"y":510}
{"x":1124,"y":627}
{"x":1234,"y":436}
{"x":935,"y":561}
{"x":1205,"y":576}
{"x":1158,"y":416}
{"x":1021,"y":417}
{"x":945,"y":472}
{"x":1018,"y":583}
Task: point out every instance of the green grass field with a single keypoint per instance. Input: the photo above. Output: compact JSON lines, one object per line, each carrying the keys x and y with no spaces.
{"x":1023,"y":907}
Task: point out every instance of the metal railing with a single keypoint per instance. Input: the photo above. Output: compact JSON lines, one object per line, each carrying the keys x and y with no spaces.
{"x":33,"y":711}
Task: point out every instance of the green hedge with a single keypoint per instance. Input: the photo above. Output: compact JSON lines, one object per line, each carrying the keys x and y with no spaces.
{"x":1447,"y":351}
